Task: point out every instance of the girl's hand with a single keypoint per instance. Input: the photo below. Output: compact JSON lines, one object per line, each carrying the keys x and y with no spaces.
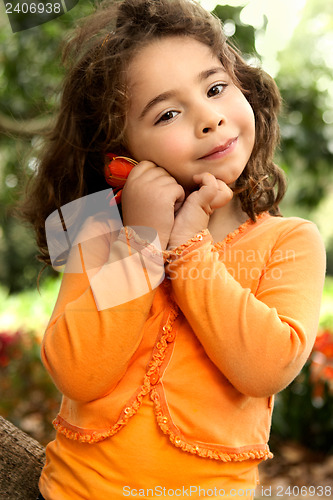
{"x":194,"y":215}
{"x":150,"y":198}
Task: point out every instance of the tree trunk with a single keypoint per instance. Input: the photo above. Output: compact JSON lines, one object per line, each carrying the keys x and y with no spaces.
{"x":21,"y":462}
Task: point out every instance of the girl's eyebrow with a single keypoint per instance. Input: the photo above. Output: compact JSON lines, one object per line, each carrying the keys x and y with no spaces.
{"x":159,"y":98}
{"x":172,"y":93}
{"x":209,"y":72}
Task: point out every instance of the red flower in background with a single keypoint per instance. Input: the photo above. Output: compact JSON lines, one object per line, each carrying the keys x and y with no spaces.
{"x":324,"y":343}
{"x":9,"y":347}
{"x":321,"y":367}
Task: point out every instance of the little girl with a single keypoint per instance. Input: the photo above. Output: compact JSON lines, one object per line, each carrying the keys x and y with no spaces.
{"x":170,"y":391}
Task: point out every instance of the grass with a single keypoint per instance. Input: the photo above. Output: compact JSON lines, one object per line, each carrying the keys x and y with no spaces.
{"x":29,"y":310}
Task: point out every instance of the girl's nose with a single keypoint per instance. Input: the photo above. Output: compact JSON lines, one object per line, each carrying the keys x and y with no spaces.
{"x":208,"y":121}
{"x":205,"y":130}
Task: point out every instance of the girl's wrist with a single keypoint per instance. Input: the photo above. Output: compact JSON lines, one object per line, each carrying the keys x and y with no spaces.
{"x":177,"y":241}
{"x":140,"y":237}
{"x":174,"y":252}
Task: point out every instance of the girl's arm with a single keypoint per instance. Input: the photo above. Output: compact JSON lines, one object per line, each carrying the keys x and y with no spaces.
{"x":96,"y":325}
{"x":261,"y":339}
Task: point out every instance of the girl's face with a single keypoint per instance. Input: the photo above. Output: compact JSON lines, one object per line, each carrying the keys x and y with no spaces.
{"x":185,"y":114}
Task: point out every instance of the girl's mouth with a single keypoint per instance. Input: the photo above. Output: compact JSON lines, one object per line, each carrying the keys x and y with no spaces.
{"x":221,"y":151}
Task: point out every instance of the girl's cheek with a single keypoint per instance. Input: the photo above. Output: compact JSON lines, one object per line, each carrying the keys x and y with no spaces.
{"x":173,"y":147}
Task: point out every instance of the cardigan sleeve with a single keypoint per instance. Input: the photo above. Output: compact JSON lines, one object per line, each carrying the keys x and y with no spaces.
{"x":96,"y":326}
{"x":261,"y":340}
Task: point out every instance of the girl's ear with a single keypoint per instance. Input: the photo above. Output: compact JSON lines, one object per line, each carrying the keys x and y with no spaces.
{"x":116,"y":171}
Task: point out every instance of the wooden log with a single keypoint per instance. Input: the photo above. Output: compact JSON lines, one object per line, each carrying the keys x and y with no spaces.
{"x":21,"y":461}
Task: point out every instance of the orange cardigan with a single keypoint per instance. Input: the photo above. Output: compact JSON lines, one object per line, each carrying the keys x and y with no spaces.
{"x":230,"y":325}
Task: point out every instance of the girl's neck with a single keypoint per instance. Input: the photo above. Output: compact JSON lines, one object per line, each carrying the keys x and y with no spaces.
{"x":226,"y":219}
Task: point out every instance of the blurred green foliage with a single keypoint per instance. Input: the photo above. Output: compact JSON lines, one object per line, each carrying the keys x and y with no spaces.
{"x":303,"y":412}
{"x":30,"y":77}
{"x":242,"y":35}
{"x":29,"y":309}
{"x":302,"y":416}
{"x":29,"y":398}
{"x":305,"y":81}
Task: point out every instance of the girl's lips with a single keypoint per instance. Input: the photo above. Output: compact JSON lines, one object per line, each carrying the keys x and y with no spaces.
{"x":221,"y":151}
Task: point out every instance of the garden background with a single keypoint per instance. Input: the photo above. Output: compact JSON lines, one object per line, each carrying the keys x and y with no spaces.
{"x":294,"y":43}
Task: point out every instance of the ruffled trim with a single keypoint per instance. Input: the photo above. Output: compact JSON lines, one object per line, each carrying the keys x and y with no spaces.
{"x":181,"y":250}
{"x":175,"y":253}
{"x":94,"y":436}
{"x":150,"y":379}
{"x":240,"y":230}
{"x":128,"y":235}
{"x":223,"y":453}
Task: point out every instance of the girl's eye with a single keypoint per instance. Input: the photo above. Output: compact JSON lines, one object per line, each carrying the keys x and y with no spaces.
{"x":216,"y":89}
{"x":169,"y":115}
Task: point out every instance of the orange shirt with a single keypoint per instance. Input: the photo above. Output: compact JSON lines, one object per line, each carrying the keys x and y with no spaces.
{"x":139,"y":462}
{"x":231,"y":325}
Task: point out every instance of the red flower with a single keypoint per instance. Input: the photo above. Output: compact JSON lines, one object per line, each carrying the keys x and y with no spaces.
{"x":322,"y":362}
{"x":8,"y":341}
{"x":328,"y":372}
{"x":324,"y":343}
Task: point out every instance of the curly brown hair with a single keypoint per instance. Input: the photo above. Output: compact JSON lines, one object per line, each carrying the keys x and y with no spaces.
{"x":94,"y":104}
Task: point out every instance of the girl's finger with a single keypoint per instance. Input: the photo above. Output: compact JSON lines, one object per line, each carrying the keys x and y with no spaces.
{"x":142,"y":167}
{"x":208,"y":189}
{"x":213,"y":192}
{"x":179,"y":201}
{"x":205,"y":179}
{"x":223,"y":195}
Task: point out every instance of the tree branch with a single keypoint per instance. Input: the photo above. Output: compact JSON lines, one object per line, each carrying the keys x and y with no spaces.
{"x":24,"y":128}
